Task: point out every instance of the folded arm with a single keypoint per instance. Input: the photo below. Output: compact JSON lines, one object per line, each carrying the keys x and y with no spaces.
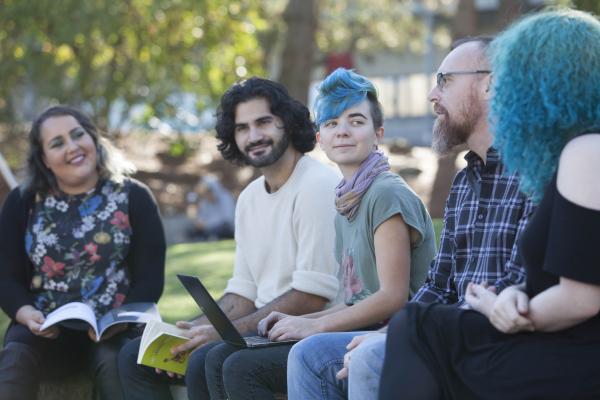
{"x":564,"y":305}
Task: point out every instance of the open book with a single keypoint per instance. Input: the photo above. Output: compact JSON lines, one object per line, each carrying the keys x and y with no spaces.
{"x":155,"y":347}
{"x":77,"y":315}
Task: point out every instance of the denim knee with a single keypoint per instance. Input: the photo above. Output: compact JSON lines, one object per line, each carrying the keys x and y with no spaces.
{"x":300,"y":354}
{"x":213,"y":369}
{"x":256,"y":374}
{"x":105,"y":371}
{"x":195,"y":369}
{"x":127,"y":359}
{"x":370,"y":353}
{"x":365,"y":368}
{"x":104,"y":357}
{"x":195,"y":375}
{"x":319,"y":350}
{"x":313,"y":364}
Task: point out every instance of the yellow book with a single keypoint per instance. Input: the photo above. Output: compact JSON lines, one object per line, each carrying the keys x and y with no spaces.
{"x":155,"y":347}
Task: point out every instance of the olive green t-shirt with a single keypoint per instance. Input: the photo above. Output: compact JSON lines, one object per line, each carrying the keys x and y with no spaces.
{"x":387,"y":196}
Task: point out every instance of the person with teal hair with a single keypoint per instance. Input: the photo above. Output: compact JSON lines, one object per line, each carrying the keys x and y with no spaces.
{"x":384,"y":236}
{"x":540,"y":339}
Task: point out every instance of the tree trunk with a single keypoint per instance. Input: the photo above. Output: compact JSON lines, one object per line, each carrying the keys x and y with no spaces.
{"x":300,"y":17}
{"x":441,"y":185}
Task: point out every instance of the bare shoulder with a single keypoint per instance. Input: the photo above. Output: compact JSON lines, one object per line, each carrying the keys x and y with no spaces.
{"x":578,"y":177}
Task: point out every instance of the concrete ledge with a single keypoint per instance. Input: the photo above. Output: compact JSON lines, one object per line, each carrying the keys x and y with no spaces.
{"x":179,"y":392}
{"x":77,"y":387}
{"x":81,"y":387}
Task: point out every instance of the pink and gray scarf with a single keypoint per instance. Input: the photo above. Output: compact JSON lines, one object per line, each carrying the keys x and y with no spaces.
{"x":348,"y":194}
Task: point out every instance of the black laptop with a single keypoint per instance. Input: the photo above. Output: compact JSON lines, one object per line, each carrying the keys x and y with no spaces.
{"x":219,"y":320}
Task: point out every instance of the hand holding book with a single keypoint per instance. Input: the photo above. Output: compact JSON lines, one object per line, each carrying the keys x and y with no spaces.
{"x":33,"y":319}
{"x":155,"y":348}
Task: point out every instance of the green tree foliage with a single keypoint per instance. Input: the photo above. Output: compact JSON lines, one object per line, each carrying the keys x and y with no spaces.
{"x":95,"y":52}
{"x":592,"y":6}
{"x":368,"y":26}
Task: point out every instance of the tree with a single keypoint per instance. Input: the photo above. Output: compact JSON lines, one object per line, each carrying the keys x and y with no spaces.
{"x":300,"y":17}
{"x":302,"y":33}
{"x":592,"y":6}
{"x":94,"y":53}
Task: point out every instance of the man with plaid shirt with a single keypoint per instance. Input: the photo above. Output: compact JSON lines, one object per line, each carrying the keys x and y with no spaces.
{"x":485,"y":213}
{"x":484,"y":216}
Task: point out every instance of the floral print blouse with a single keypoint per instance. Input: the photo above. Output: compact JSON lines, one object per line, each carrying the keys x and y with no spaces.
{"x":78,"y":246}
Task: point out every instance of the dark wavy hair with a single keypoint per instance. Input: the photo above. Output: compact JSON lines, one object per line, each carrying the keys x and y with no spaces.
{"x":295,"y":116}
{"x":546,"y":90}
{"x":40,"y":179}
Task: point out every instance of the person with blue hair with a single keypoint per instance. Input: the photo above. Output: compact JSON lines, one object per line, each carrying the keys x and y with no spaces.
{"x":485,"y":215}
{"x":540,"y":339}
{"x":384,"y":235}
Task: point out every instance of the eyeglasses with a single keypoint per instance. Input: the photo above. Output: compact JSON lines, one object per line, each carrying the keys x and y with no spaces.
{"x":442,"y":78}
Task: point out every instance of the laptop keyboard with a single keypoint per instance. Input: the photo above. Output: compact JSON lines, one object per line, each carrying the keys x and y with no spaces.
{"x":251,"y":340}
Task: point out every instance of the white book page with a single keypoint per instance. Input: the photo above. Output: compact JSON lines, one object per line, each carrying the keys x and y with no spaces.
{"x":73,"y":310}
{"x":139,"y":313}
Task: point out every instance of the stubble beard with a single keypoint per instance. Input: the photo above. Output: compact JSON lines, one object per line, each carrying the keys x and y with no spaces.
{"x":449,"y":132}
{"x":277,"y":150}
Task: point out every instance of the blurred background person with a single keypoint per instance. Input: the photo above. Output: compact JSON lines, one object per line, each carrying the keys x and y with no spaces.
{"x":77,"y":230}
{"x":214,"y":212}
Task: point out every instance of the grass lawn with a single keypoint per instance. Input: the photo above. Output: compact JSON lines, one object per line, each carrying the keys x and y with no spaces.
{"x":211,"y":261}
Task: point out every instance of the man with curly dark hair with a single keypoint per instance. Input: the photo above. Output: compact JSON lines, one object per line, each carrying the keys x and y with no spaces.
{"x":284,"y":236}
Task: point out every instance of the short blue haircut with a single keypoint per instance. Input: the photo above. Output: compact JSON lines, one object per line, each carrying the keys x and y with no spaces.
{"x":343,"y":89}
{"x":546,"y":90}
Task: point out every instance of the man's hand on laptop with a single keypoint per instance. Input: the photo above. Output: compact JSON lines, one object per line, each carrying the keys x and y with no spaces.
{"x":265,"y":324}
{"x":198,"y":334}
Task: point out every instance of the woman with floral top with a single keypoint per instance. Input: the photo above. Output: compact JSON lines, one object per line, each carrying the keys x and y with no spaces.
{"x":76,"y":230}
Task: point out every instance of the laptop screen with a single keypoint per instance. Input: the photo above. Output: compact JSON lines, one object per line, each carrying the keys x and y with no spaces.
{"x":211,"y":309}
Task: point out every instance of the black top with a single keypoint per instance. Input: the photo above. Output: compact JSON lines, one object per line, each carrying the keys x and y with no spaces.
{"x":471,"y":359}
{"x":145,"y":256}
{"x":561,"y":240}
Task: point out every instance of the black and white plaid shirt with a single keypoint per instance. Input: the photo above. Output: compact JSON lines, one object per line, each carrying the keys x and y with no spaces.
{"x":485,"y":215}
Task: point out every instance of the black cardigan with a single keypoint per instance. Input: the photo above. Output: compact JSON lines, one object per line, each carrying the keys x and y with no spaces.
{"x":146,"y":257}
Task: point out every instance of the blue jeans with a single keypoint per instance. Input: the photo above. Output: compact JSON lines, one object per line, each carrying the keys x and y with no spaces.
{"x":313,"y":364}
{"x":365,"y":368}
{"x":235,"y":374}
{"x":215,"y":371}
